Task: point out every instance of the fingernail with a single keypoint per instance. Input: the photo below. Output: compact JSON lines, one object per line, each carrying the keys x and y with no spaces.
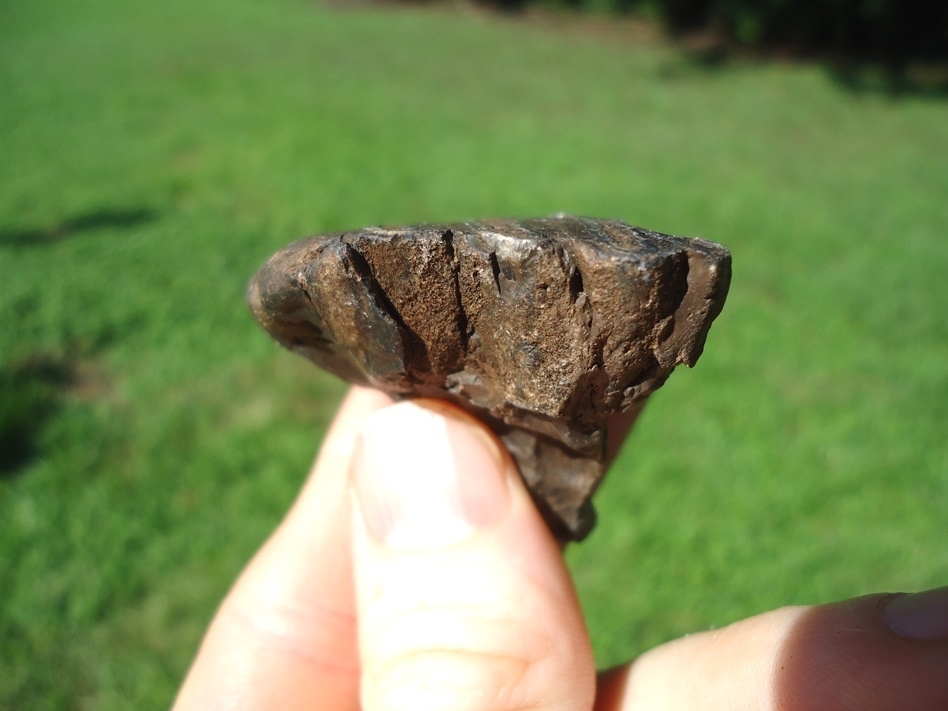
{"x":922,"y":616}
{"x":426,"y":476}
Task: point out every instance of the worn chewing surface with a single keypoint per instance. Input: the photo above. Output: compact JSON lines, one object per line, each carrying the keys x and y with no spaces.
{"x":541,"y":328}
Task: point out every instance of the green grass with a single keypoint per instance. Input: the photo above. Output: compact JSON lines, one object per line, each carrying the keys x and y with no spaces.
{"x":152,"y":155}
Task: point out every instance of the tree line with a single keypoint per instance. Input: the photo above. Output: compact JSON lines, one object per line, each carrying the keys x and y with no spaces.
{"x":891,"y":31}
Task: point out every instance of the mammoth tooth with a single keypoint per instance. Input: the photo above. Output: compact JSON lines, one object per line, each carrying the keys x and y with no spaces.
{"x":541,"y":328}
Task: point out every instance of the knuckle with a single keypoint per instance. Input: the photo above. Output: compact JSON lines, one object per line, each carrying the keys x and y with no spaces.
{"x":465,"y":660}
{"x":439,"y":679}
{"x":458,"y":657}
{"x":294,"y":629}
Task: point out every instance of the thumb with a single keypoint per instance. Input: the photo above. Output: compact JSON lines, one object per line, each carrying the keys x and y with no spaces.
{"x":464,"y":602}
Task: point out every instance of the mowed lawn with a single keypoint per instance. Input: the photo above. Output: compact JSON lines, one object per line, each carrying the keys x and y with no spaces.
{"x":152,"y":155}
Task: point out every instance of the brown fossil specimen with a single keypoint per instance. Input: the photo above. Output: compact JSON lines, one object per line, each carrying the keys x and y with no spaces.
{"x":541,"y":328}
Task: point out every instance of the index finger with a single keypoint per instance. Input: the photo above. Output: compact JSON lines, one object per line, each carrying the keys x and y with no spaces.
{"x":285,"y":635}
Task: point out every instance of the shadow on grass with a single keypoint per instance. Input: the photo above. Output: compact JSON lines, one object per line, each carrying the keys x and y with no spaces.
{"x":31,"y":392}
{"x":895,"y":82}
{"x":73,"y":226}
{"x":924,"y":83}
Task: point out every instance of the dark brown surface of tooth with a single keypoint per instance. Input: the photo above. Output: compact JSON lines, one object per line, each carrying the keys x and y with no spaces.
{"x":541,"y":328}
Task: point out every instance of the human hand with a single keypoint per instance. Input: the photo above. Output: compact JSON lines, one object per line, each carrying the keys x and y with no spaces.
{"x":413,"y":573}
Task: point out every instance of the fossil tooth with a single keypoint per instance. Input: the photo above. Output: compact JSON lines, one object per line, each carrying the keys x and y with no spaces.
{"x":542,"y":328}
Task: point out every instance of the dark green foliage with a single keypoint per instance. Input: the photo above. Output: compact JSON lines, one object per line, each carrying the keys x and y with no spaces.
{"x":890,"y":31}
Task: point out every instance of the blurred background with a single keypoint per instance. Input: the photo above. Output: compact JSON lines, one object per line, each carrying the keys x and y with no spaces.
{"x":153,"y":155}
